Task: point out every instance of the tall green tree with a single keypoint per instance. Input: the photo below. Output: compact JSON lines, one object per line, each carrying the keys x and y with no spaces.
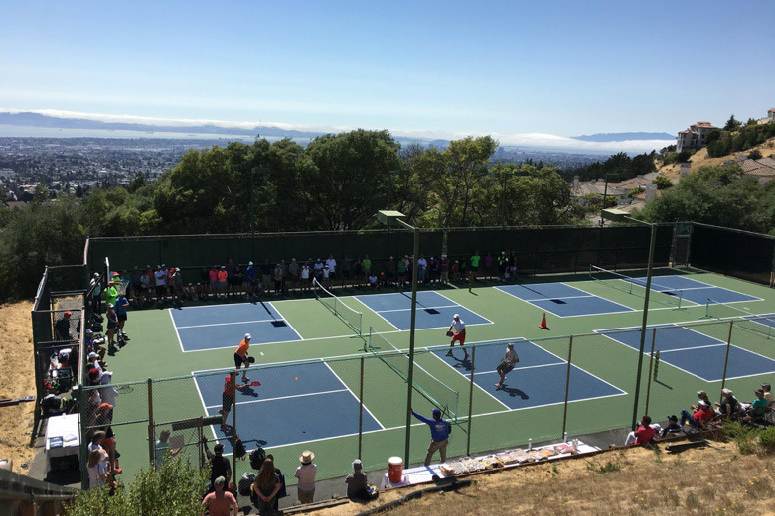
{"x":354,"y":175}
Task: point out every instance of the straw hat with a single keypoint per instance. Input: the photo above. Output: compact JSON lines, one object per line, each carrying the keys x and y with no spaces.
{"x":307,"y":457}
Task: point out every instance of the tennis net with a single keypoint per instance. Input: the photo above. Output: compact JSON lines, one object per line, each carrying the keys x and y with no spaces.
{"x":636,"y":286}
{"x":347,"y":315}
{"x":762,"y":324}
{"x":428,"y":386}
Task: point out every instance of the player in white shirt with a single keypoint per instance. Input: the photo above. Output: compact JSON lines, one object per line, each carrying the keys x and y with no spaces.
{"x":457,"y":330}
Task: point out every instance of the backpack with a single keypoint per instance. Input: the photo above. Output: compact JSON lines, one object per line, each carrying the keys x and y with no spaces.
{"x":243,"y":486}
{"x":239,"y":448}
{"x":256,"y":458}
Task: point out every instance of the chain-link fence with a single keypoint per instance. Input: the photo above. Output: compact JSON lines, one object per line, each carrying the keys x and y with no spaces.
{"x":355,"y":406}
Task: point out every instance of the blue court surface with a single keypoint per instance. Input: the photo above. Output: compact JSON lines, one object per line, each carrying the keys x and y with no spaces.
{"x":697,"y":353}
{"x":563,"y":300}
{"x":538,"y":380}
{"x":294,"y":404}
{"x":691,"y":290}
{"x":434,"y":310}
{"x":222,"y":326}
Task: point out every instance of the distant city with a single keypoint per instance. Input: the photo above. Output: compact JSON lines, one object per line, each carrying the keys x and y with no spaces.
{"x":74,"y":165}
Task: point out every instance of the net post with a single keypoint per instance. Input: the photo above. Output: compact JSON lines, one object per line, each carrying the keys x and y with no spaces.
{"x":651,"y":368}
{"x":726,"y":357}
{"x":567,"y":386}
{"x":360,"y":411}
{"x":470,"y":400}
{"x":151,"y":428}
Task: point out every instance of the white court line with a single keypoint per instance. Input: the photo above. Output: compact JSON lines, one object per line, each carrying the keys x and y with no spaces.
{"x":225,"y":324}
{"x":357,"y":298}
{"x":202,"y":399}
{"x":477,"y":385}
{"x":286,"y":321}
{"x":263,"y":400}
{"x":629,"y":309}
{"x":353,"y":394}
{"x":579,"y":368}
{"x":172,"y":320}
{"x":668,"y":362}
{"x":466,"y":308}
{"x":566,"y":297}
{"x":523,"y":367}
{"x":663,"y":351}
{"x":543,"y":309}
{"x":420,"y":307}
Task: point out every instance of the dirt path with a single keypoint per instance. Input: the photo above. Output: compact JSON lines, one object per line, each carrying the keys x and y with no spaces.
{"x":17,"y":379}
{"x":714,"y":480}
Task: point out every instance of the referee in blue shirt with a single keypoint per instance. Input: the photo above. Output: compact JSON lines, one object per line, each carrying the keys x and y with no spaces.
{"x":440,"y":431}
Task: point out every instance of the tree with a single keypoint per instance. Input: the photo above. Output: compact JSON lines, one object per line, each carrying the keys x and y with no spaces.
{"x":353,"y":176}
{"x":732,"y":124}
{"x":719,"y":195}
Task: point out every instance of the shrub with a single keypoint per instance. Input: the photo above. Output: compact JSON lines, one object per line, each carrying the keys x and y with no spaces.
{"x":175,"y":489}
{"x":755,"y":154}
{"x":767,"y":439}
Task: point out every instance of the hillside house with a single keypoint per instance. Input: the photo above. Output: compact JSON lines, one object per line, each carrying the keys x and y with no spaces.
{"x":694,"y":137}
{"x":761,"y":169}
{"x":771,"y":115}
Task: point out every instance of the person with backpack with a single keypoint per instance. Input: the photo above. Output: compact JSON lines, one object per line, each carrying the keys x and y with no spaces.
{"x":440,"y":431}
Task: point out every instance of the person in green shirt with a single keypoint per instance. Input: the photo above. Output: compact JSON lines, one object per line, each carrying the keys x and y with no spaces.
{"x":111,"y":293}
{"x":366,"y":266}
{"x":758,"y":406}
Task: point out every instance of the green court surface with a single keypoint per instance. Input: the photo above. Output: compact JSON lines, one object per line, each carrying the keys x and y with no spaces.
{"x":602,"y":376}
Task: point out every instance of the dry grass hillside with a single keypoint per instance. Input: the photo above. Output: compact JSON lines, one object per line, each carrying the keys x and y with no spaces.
{"x":713,"y":480}
{"x":701,"y":159}
{"x":17,"y":379}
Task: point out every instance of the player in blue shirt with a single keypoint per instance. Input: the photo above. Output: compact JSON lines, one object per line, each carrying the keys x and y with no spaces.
{"x":440,"y":431}
{"x":122,"y":303}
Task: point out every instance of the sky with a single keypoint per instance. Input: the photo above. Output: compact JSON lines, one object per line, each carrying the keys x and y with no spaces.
{"x":508,"y":68}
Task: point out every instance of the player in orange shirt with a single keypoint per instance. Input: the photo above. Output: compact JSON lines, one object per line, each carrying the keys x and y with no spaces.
{"x":241,"y":356}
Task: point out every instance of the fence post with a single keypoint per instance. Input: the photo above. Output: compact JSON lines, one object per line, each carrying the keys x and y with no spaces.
{"x":83,"y":456}
{"x":360,"y":411}
{"x":567,"y":386}
{"x":470,"y":400}
{"x":151,"y":428}
{"x":234,"y":436}
{"x":651,"y":368}
{"x":726,"y":357}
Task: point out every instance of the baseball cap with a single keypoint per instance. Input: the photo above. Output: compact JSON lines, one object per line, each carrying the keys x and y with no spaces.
{"x":726,"y":391}
{"x":436,"y":411}
{"x":510,"y":345}
{"x":218,"y":448}
{"x":247,"y":336}
{"x":92,"y":355}
{"x":456,"y":316}
{"x":357,"y":464}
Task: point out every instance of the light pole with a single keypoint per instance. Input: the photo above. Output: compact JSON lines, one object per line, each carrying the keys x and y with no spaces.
{"x":386,"y":217}
{"x":617,"y":215}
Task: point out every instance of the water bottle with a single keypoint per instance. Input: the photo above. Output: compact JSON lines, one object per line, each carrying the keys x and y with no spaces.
{"x":530,"y":444}
{"x":565,"y":437}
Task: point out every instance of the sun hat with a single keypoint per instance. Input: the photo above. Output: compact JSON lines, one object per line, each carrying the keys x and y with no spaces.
{"x":306,"y":457}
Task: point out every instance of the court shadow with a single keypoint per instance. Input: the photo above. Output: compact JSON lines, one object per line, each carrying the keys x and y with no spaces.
{"x":663,"y":385}
{"x":462,"y":363}
{"x":513,"y":392}
{"x":249,"y":391}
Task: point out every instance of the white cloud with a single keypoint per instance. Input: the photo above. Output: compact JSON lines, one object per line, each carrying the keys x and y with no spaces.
{"x":528,"y":140}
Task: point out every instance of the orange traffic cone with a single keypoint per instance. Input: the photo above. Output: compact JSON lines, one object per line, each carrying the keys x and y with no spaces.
{"x":543,"y":325}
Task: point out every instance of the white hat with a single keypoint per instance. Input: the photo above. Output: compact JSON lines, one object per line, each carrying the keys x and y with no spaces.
{"x":250,"y":263}
{"x":510,"y":345}
{"x":306,"y":457}
{"x":726,"y":391}
{"x":456,"y":316}
{"x":92,"y":355}
{"x":247,"y":336}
